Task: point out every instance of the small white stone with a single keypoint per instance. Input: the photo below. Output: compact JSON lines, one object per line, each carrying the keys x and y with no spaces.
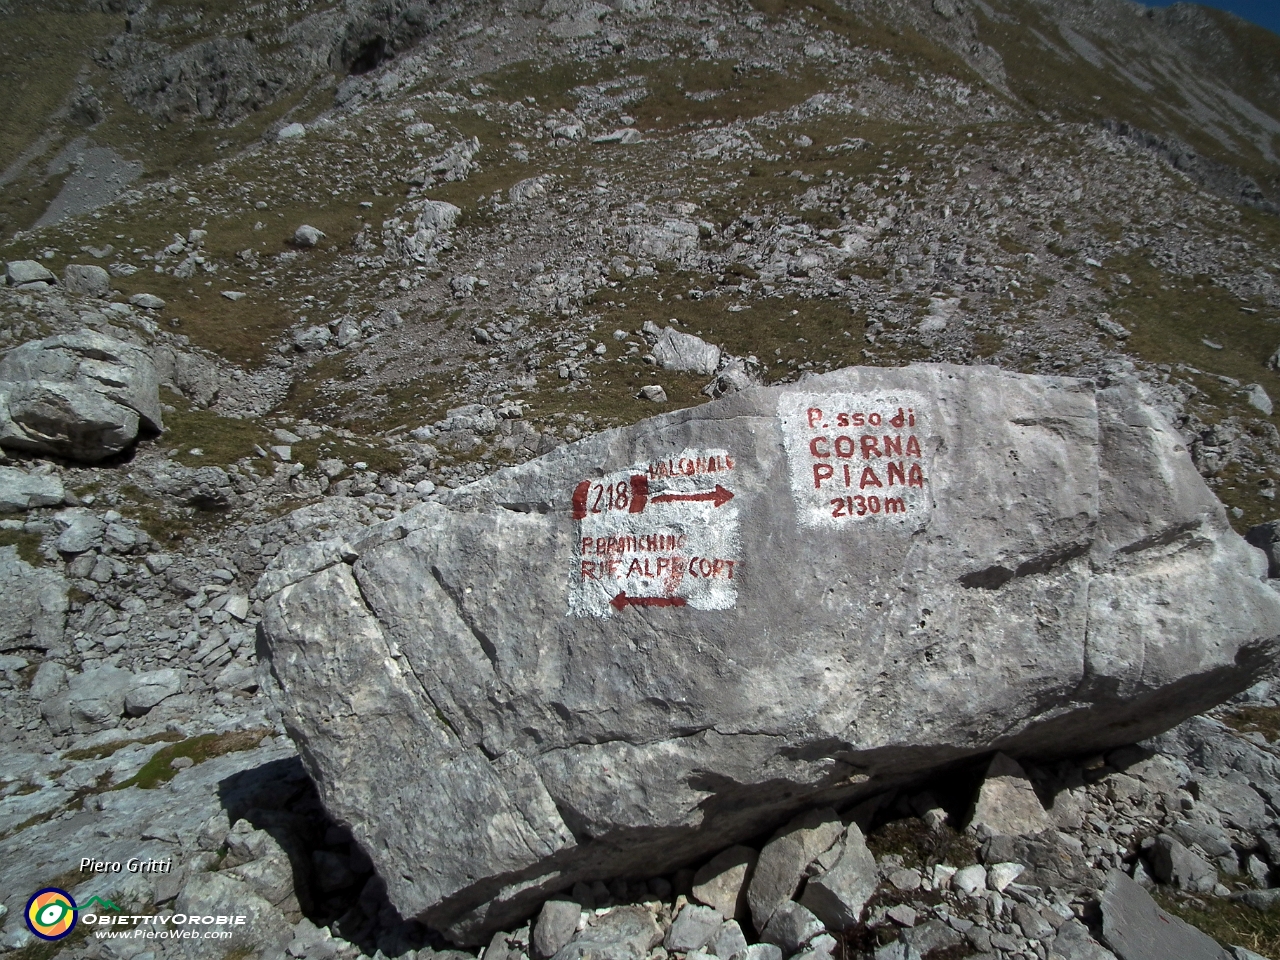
{"x":970,"y":880}
{"x":1002,"y":874}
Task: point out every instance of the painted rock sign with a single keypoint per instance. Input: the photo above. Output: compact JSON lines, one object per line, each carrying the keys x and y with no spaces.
{"x":665,"y":639}
{"x":856,"y":458}
{"x":661,"y":534}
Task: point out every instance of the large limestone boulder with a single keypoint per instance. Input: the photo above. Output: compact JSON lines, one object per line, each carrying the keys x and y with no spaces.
{"x":82,"y":395}
{"x":644,"y":647}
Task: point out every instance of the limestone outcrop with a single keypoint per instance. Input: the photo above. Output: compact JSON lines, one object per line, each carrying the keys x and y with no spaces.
{"x":639,"y":649}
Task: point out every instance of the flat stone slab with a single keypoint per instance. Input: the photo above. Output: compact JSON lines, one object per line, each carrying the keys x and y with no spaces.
{"x":665,"y":639}
{"x":1135,"y":927}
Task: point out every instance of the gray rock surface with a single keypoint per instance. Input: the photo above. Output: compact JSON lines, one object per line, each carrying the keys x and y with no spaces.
{"x":519,"y":639}
{"x":96,"y":697}
{"x":148,"y":689}
{"x":1174,"y":864}
{"x":722,"y":881}
{"x":931,"y":935}
{"x":1007,"y":804}
{"x":557,"y":923}
{"x":265,"y":927}
{"x":839,"y":892}
{"x":1256,"y":394}
{"x":88,"y":279}
{"x":147,"y":301}
{"x":83,"y":395}
{"x":627,"y":933}
{"x":1258,"y":899}
{"x":307,"y":235}
{"x":727,"y":940}
{"x":1073,"y":942}
{"x":81,"y":530}
{"x":1266,"y":537}
{"x":21,"y":491}
{"x":791,"y":927}
{"x":783,"y":860}
{"x":1135,"y":928}
{"x":692,"y":928}
{"x":33,"y":605}
{"x":1052,"y":859}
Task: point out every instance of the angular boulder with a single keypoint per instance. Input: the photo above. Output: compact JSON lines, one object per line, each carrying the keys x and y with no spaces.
{"x":21,"y":491}
{"x":1007,"y":804}
{"x":21,"y":272}
{"x":148,"y":689}
{"x":84,"y":396}
{"x":87,"y":279}
{"x":641,"y":648}
{"x":841,"y":888}
{"x":722,"y":882}
{"x":683,"y":351}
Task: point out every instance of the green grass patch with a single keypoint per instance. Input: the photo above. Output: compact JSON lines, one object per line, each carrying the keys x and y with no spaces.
{"x":986,"y":344}
{"x":920,"y":847}
{"x":1263,"y":720}
{"x":550,"y":84}
{"x":28,"y":545}
{"x":41,"y":51}
{"x":159,"y":769}
{"x":1229,"y":923}
{"x":330,"y":393}
{"x":908,"y":46}
{"x":610,"y":401}
{"x":1237,"y":489}
{"x":1058,"y":80}
{"x":107,"y":749}
{"x":224,"y":440}
{"x":376,"y":455}
{"x":167,"y":525}
{"x":320,"y":393}
{"x":1170,"y":317}
{"x":43,"y":54}
{"x":728,"y":89}
{"x":47,"y":950}
{"x":784,"y":333}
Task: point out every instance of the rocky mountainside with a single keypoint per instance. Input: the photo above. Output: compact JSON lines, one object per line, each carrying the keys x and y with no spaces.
{"x":279,"y":273}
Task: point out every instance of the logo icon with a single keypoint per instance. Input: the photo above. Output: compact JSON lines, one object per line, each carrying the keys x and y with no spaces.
{"x":51,"y":913}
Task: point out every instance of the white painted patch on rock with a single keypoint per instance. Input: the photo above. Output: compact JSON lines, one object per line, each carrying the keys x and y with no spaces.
{"x":661,"y":534}
{"x":857,"y":459}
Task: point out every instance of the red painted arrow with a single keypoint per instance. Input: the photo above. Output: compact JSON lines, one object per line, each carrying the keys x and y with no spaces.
{"x":621,"y":601}
{"x":719,"y":496}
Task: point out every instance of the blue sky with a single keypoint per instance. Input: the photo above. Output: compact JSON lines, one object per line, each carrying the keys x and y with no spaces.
{"x":1263,"y":12}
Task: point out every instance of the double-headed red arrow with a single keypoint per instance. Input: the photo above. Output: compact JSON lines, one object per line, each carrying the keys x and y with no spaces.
{"x":622,"y":601}
{"x":719,"y":497}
